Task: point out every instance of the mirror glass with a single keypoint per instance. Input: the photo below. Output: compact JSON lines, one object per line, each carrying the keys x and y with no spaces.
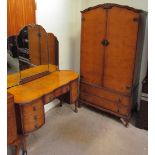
{"x":33,"y":53}
{"x":13,"y":70}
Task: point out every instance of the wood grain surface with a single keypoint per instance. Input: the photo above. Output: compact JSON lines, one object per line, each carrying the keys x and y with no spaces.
{"x":14,"y":79}
{"x":32,"y":90}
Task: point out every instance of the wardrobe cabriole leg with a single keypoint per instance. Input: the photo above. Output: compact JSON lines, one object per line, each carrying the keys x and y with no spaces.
{"x":125,"y":122}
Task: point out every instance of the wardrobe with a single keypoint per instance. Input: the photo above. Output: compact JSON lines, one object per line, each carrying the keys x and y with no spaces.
{"x":112,"y":38}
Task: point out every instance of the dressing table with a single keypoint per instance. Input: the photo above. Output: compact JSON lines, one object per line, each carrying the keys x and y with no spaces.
{"x":38,"y":82}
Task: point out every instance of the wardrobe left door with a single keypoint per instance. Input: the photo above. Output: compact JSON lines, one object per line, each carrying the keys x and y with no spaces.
{"x":92,"y":50}
{"x":19,"y":14}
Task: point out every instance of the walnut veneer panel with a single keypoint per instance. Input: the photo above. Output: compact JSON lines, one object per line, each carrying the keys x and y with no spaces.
{"x":32,"y":115}
{"x":105,"y":94}
{"x":99,"y":102}
{"x":11,"y":120}
{"x":122,"y":33}
{"x":34,"y":45}
{"x":53,"y":46}
{"x":92,"y":51}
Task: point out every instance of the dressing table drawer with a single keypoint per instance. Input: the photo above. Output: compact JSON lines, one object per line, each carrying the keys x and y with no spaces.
{"x":48,"y":98}
{"x":65,"y":89}
{"x":62,"y":90}
{"x":58,"y":92}
{"x":33,"y":116}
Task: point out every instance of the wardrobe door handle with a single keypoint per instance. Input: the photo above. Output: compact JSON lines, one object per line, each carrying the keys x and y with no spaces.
{"x":105,"y":42}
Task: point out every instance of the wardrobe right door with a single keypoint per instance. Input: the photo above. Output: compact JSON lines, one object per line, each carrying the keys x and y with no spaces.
{"x":122,"y":30}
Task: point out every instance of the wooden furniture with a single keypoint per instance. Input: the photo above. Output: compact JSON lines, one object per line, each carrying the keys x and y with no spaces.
{"x":31,"y":88}
{"x":111,"y":46}
{"x":19,"y":14}
{"x":13,"y":138}
{"x":142,"y":121}
{"x":11,"y":123}
{"x":31,"y":97}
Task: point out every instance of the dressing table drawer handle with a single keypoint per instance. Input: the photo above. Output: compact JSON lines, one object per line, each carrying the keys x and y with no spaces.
{"x":119,"y":100}
{"x":36,"y":126}
{"x":35,"y":117}
{"x":34,"y":108}
{"x":51,"y":97}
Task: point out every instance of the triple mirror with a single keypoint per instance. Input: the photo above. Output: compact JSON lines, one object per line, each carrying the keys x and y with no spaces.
{"x":31,"y":54}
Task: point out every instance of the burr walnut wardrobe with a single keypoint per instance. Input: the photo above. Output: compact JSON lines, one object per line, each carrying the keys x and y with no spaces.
{"x":111,"y":48}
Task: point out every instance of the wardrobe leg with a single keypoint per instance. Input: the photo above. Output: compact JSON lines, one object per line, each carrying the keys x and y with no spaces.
{"x":125,"y":122}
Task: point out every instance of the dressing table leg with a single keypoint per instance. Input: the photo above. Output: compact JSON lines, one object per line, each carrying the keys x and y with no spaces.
{"x":61,"y":102}
{"x":20,"y":142}
{"x":17,"y":149}
{"x":24,"y":146}
{"x":76,"y":105}
{"x":79,"y":104}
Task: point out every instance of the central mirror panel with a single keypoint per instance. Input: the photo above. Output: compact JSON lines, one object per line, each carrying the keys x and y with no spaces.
{"x":33,"y":53}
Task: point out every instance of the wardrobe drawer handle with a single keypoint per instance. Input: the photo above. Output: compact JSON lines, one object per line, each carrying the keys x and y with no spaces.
{"x":128,"y":87}
{"x":36,"y":126}
{"x":105,"y":42}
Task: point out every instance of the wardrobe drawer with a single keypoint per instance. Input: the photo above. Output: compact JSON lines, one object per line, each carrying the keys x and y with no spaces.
{"x":94,"y":100}
{"x":33,"y":116}
{"x":124,"y":110}
{"x":100,"y":92}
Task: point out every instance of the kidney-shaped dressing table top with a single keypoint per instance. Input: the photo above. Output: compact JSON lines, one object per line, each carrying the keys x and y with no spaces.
{"x":35,"y":89}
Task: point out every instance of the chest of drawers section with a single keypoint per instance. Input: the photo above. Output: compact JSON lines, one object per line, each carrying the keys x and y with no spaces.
{"x":32,"y":116}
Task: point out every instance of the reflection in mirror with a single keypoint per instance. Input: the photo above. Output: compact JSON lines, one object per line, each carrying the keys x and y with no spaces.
{"x":33,"y":52}
{"x":12,"y":62}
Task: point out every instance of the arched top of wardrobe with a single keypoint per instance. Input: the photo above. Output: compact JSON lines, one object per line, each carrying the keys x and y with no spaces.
{"x":110,"y":5}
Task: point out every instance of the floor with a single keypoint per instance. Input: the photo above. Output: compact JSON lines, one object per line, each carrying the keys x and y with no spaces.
{"x":88,"y":132}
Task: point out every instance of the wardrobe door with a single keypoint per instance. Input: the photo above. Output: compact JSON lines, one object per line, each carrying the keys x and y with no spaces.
{"x":92,"y":50}
{"x":122,"y":30}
